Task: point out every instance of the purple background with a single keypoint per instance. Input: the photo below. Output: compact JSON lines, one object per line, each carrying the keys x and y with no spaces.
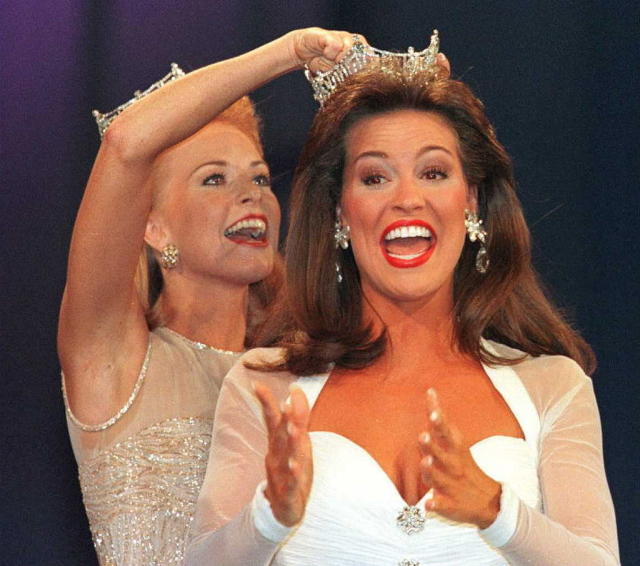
{"x":559,"y":80}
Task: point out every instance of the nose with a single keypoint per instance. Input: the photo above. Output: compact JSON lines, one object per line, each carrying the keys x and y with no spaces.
{"x":408,"y":196}
{"x":250,"y":194}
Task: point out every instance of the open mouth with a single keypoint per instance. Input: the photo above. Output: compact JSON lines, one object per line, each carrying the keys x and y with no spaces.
{"x":250,"y":230}
{"x":408,"y":243}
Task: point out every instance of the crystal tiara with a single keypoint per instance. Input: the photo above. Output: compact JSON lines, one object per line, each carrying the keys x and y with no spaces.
{"x":104,"y":120}
{"x":361,"y":55}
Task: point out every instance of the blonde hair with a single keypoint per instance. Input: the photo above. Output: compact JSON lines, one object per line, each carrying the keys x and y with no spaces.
{"x":148,"y":278}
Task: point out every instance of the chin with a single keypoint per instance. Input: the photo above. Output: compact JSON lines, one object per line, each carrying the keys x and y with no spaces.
{"x":256,"y":272}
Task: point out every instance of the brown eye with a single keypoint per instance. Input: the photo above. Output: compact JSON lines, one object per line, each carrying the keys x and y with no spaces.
{"x":434,"y":173}
{"x":373,"y":179}
{"x":215,"y":179}
{"x":262,"y":180}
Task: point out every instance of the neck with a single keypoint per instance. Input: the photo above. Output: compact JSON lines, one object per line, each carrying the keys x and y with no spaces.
{"x":211,"y":312}
{"x":419,"y":332}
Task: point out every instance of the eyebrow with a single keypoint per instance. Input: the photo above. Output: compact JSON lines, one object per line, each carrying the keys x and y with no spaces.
{"x":223,"y":163}
{"x":421,"y":152}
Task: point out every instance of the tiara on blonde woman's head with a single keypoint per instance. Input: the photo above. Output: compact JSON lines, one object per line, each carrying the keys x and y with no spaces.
{"x":362,"y":56}
{"x":104,"y":120}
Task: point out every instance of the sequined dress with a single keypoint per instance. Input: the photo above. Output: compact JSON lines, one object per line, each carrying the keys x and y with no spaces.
{"x":141,"y":471}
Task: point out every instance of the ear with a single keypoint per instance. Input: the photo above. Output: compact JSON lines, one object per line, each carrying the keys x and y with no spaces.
{"x":155,"y":234}
{"x":340,"y":216}
{"x":472,"y":198}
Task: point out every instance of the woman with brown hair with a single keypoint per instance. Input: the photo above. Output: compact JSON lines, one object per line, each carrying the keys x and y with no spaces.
{"x":430,"y":406}
{"x":170,"y":268}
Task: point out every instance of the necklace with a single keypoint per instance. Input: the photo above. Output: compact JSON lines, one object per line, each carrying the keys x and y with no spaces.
{"x":200,"y":345}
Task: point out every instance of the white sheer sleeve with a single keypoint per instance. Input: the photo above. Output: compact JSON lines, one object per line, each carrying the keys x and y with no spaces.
{"x":234,"y":524}
{"x":577,"y":525}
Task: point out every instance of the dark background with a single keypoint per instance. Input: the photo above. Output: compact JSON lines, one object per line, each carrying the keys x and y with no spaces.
{"x":559,"y":80}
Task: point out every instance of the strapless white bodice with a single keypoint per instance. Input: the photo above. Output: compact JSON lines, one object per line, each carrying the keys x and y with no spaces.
{"x":373,"y":525}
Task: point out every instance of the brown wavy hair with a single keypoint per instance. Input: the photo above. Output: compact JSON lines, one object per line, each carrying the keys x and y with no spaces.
{"x":149,"y":280}
{"x":324,"y":322}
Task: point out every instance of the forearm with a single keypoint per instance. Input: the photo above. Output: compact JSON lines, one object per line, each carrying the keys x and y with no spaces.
{"x":577,"y":523}
{"x":182,"y":107}
{"x":540,"y":541}
{"x":253,"y":537}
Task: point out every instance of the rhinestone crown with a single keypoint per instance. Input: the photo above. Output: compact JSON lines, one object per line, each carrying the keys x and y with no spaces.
{"x":104,"y":120}
{"x":361,"y":56}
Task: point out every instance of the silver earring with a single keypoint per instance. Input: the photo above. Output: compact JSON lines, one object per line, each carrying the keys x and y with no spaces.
{"x":169,"y":256}
{"x":341,"y":235}
{"x":341,"y":238}
{"x":476,"y":232}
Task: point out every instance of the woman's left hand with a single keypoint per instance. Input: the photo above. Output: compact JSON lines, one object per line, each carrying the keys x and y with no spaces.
{"x":460,"y":490}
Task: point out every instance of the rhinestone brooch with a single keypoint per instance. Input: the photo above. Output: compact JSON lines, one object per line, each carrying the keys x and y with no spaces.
{"x":410,"y":520}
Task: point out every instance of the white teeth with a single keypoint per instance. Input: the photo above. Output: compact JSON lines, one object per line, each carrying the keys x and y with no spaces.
{"x":408,"y":232}
{"x":406,"y":257}
{"x":257,"y":223}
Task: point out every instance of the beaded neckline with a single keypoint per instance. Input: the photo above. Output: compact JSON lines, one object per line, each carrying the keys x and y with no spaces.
{"x":199,"y":345}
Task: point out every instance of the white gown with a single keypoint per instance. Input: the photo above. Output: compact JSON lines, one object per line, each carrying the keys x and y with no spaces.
{"x":556,"y":508}
{"x":141,"y":471}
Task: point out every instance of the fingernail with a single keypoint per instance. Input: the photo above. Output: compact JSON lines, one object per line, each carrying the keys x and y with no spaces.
{"x":290,"y":463}
{"x":290,"y":428}
{"x":434,"y":416}
{"x":425,"y":438}
{"x":429,"y":501}
{"x":428,"y":460}
{"x":431,"y":392}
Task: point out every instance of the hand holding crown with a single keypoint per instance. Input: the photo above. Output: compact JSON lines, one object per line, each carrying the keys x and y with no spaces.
{"x":319,"y":49}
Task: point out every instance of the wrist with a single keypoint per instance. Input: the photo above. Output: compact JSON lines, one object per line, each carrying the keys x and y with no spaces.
{"x":285,"y":53}
{"x":491,"y":509}
{"x":286,"y":517}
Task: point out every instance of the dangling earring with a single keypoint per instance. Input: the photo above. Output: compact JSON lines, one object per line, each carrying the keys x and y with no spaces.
{"x":341,"y":238}
{"x":169,"y":256}
{"x":341,"y":235}
{"x":475,"y":231}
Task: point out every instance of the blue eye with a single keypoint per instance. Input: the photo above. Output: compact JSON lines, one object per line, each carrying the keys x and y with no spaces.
{"x":215,"y":179}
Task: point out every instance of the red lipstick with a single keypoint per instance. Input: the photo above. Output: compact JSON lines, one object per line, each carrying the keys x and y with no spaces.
{"x":250,"y":230}
{"x":416,"y":258}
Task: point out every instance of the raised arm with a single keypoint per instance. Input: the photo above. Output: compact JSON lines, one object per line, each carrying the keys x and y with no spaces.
{"x":102,"y":332}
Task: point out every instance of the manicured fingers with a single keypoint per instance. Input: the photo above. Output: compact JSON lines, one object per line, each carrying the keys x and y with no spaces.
{"x":297,"y":424}
{"x":442,"y":61}
{"x":270,"y":409}
{"x":440,"y":445}
{"x":439,"y":425}
{"x":334,"y":46}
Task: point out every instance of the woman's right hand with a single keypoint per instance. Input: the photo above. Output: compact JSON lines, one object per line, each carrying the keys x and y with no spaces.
{"x":288,"y":462}
{"x":320,"y":49}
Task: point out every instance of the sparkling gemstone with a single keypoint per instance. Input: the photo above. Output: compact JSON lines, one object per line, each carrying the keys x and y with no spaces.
{"x":482,"y":260}
{"x":410,"y":520}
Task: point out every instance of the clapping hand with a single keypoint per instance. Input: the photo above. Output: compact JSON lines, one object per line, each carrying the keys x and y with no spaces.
{"x":460,"y":490}
{"x":288,"y":461}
